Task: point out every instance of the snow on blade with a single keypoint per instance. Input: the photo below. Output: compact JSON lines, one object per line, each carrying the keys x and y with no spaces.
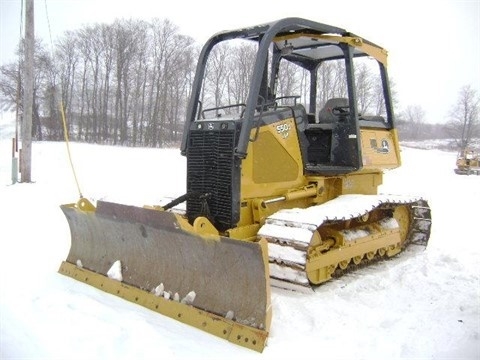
{"x":230,"y":314}
{"x":189,"y":298}
{"x":158,"y":291}
{"x":115,"y":271}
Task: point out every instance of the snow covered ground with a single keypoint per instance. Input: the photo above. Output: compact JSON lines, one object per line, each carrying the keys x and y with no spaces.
{"x":419,"y":305}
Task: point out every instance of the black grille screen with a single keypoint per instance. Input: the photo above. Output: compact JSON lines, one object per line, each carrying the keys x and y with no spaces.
{"x":212,"y":177}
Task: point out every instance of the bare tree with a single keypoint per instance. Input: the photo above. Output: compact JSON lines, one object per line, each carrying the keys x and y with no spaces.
{"x":43,"y":78}
{"x":67,"y":60}
{"x":9,"y":80}
{"x":289,"y":82}
{"x":365,"y":83}
{"x":332,"y":81}
{"x":168,"y":48}
{"x":370,"y":96}
{"x":464,"y":121}
{"x":179,"y":82}
{"x":218,"y":70}
{"x":240,"y":64}
{"x":414,"y":118}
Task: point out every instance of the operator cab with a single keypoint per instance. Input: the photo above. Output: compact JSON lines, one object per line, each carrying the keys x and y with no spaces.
{"x":333,"y":82}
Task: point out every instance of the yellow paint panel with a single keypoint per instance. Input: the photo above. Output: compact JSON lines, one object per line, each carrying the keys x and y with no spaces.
{"x":379,"y":149}
{"x":274,"y":162}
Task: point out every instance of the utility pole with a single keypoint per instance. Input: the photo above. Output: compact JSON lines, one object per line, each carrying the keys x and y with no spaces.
{"x":26,"y":153}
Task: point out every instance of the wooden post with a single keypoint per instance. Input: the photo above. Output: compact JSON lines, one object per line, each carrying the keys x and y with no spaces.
{"x":14,"y":162}
{"x":26,"y":158}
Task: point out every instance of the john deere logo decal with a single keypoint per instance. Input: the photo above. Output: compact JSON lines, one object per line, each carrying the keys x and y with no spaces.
{"x":384,"y":146}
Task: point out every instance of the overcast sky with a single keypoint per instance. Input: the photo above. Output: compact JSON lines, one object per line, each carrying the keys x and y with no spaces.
{"x":433,"y":45}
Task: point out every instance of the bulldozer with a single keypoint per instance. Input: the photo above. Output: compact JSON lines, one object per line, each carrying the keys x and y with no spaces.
{"x":468,"y":162}
{"x":281,"y":190}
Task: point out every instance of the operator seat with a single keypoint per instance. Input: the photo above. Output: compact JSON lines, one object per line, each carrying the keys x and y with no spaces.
{"x":325,"y":116}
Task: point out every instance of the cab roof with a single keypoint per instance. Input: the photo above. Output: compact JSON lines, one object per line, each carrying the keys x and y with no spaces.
{"x":300,"y":39}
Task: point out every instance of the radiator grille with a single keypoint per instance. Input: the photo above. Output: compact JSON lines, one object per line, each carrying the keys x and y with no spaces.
{"x":211,"y":170}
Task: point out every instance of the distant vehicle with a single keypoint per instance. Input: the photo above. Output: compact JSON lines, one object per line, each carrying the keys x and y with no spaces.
{"x":468,"y":162}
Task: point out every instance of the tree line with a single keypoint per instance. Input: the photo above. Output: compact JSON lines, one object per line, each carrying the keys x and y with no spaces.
{"x":128,"y":83}
{"x":462,"y":127}
{"x":124,"y":83}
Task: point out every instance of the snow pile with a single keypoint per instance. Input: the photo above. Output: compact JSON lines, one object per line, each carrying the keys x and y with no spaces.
{"x":342,"y":208}
{"x":290,"y":274}
{"x":276,"y":229}
{"x":391,"y":223}
{"x":354,"y":234}
{"x":276,"y":251}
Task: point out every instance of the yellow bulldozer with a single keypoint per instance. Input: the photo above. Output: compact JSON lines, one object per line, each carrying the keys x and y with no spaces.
{"x":281,"y":190}
{"x":468,"y":162}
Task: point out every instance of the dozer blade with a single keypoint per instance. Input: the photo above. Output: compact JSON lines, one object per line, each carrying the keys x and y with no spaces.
{"x":229,"y":278}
